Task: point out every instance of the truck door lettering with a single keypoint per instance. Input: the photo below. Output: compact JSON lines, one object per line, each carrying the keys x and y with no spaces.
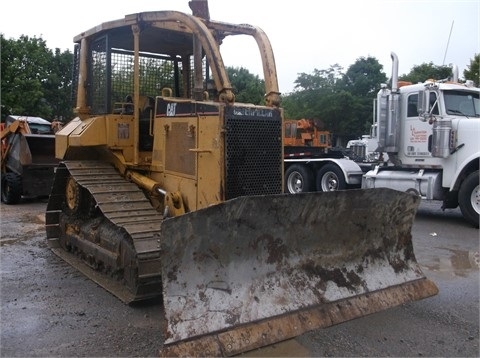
{"x":417,"y":136}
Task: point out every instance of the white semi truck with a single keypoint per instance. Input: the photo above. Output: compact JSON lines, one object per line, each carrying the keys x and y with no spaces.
{"x":429,"y":135}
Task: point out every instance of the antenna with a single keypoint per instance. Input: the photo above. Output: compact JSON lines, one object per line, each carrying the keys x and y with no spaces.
{"x":444,"y":56}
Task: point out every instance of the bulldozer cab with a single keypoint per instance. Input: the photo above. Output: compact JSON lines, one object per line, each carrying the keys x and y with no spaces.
{"x":163,"y":102}
{"x":171,"y":53}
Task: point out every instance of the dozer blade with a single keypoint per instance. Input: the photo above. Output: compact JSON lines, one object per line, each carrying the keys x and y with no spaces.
{"x":254,"y":271}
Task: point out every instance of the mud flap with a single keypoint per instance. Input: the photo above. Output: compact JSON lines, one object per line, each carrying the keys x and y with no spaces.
{"x":254,"y":271}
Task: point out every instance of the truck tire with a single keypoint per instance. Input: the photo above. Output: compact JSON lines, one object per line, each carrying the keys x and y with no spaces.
{"x":298,"y":179}
{"x":330,"y":178}
{"x":11,"y":188}
{"x":469,"y":199}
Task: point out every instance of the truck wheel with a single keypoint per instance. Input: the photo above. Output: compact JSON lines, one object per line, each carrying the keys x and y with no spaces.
{"x":330,"y":178}
{"x":11,"y":188}
{"x":469,"y":199}
{"x":298,"y":179}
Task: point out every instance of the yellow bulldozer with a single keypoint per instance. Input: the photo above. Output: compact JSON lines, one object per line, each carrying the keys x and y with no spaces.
{"x":169,"y":189}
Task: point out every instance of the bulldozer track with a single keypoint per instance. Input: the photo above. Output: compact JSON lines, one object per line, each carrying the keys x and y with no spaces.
{"x":114,"y":238}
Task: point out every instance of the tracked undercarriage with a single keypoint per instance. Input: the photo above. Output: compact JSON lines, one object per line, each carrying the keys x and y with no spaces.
{"x":104,"y":226}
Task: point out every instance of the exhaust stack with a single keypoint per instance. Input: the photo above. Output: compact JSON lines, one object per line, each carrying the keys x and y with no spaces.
{"x":394,"y":57}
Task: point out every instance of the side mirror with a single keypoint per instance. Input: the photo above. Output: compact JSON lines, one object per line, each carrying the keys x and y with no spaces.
{"x":422,"y":106}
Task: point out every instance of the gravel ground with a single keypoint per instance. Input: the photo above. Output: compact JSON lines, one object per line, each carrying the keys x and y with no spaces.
{"x":48,"y":309}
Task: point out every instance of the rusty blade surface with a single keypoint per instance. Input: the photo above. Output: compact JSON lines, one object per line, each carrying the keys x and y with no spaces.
{"x":259,"y":334}
{"x":256,"y":259}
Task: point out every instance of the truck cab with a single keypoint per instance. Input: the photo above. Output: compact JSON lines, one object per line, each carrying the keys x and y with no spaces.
{"x":430,"y":132}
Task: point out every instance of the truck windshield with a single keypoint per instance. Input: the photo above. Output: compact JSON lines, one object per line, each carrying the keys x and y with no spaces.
{"x":462,"y":103}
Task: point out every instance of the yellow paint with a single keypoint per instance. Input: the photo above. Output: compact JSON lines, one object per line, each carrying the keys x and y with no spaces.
{"x":189,"y":155}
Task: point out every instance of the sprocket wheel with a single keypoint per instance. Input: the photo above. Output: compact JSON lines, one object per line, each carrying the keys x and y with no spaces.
{"x":73,"y":195}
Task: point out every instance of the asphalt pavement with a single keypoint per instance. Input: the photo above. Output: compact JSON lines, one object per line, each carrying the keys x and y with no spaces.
{"x":48,"y":309}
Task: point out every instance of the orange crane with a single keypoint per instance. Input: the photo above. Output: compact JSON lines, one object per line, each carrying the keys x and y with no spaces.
{"x":306,"y":133}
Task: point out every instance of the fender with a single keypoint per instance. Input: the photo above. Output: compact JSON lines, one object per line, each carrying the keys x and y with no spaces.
{"x":467,"y":165}
{"x":351,"y":170}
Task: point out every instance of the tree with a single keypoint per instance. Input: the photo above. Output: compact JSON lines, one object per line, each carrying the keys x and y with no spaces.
{"x":35,"y":80}
{"x":426,"y":71}
{"x":58,"y":85}
{"x":320,"y":79}
{"x":247,"y":87}
{"x":473,"y":71}
{"x":364,"y":77}
{"x":310,"y":93}
{"x":343,"y":101}
{"x":363,"y":80}
{"x":341,"y":114}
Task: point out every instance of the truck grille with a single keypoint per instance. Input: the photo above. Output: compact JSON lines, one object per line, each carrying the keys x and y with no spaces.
{"x":359,"y":151}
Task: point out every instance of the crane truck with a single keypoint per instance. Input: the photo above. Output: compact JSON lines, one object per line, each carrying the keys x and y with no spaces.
{"x":172,"y":191}
{"x":428,"y":145}
{"x":305,"y":133}
{"x":311,"y":163}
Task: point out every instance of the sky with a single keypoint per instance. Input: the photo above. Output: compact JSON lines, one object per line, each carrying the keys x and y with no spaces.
{"x":305,"y":34}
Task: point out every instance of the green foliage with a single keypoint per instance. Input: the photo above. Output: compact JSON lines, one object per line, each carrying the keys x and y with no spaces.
{"x":426,"y":71}
{"x":35,"y":80}
{"x":58,"y":85}
{"x":339,"y":113}
{"x":343,"y":101}
{"x":312,"y":93}
{"x":248,"y":88}
{"x":364,"y":77}
{"x":320,"y":79}
{"x":473,"y":71}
